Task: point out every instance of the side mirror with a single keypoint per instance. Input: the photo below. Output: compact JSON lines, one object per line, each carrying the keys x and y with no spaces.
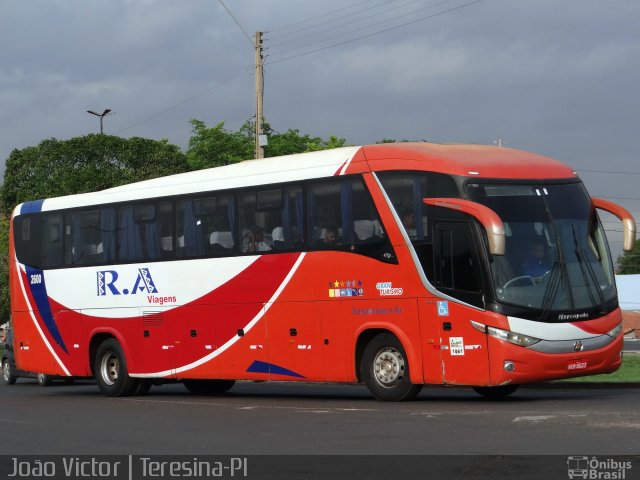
{"x":488,"y":219}
{"x":628,"y":222}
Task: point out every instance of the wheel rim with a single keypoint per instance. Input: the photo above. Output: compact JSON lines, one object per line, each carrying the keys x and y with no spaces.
{"x":110,"y":368}
{"x":6,"y":371}
{"x":389,"y":367}
{"x":41,"y":378}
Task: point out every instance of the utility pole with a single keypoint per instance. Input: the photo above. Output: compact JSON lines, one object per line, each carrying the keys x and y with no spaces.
{"x":259,"y":151}
{"x":260,"y":139}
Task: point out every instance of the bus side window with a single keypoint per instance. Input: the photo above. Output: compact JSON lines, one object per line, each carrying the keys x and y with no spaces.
{"x":327,"y":203}
{"x":456,"y":263}
{"x":219,"y":226}
{"x":205,"y":226}
{"x":52,"y":241}
{"x":129,"y":241}
{"x":290,"y":222}
{"x":189,"y":230}
{"x":164,"y":229}
{"x":143,"y":229}
{"x":89,"y":237}
{"x":258,"y":211}
{"x":342,"y":216}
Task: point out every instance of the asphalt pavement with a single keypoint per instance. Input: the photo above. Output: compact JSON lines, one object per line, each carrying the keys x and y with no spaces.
{"x":631,"y":345}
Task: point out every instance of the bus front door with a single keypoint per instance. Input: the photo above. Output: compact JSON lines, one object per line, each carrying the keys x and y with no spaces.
{"x":457,"y":274}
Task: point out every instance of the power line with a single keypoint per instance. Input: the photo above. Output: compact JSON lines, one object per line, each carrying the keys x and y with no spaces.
{"x":285,"y":27}
{"x":396,"y":5}
{"x":374,"y":33}
{"x":237,"y":22}
{"x":180,"y":103}
{"x":353,"y":30}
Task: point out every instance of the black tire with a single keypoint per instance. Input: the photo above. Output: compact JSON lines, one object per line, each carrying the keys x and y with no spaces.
{"x":498,"y":392}
{"x":384,"y":368}
{"x":43,"y":379}
{"x":7,"y":373}
{"x":208,"y":387}
{"x":110,"y":370}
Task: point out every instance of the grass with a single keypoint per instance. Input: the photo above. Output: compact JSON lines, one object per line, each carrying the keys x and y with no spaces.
{"x":628,"y":372}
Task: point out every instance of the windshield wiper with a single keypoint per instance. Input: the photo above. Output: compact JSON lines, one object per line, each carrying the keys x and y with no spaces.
{"x":550,"y":292}
{"x":555,"y":279}
{"x":585,"y":265}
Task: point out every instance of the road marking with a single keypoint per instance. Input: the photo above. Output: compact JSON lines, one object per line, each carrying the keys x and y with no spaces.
{"x":356,"y":409}
{"x":535,"y":418}
{"x":248,"y":407}
{"x":19,"y":422}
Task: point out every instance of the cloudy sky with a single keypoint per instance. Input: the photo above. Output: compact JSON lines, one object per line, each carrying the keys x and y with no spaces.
{"x":557,"y":77}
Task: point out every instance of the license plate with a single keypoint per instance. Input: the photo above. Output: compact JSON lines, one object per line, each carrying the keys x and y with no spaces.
{"x":577,"y":365}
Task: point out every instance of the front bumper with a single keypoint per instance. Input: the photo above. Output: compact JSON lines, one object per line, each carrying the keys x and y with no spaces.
{"x":530,"y":365}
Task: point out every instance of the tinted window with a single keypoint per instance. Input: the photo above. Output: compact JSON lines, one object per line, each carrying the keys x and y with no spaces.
{"x":205,"y":226}
{"x":457,"y":270}
{"x":27,"y":236}
{"x":89,"y":236}
{"x":145,"y":231}
{"x":342,"y":216}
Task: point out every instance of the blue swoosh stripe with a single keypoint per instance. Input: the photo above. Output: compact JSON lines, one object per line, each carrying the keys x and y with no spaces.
{"x":263,"y":367}
{"x":39,"y":292}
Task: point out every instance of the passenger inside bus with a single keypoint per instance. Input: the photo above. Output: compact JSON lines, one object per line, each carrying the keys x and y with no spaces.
{"x":328,"y":237}
{"x":408,"y":219}
{"x":278,"y":239}
{"x":254,"y":241}
{"x":221,"y":243}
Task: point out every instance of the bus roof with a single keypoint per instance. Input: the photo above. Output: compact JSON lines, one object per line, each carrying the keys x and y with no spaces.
{"x":462,"y":160}
{"x":466,"y":160}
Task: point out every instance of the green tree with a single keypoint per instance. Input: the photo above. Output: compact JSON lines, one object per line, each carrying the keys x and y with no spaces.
{"x":210,"y":147}
{"x":629,"y":262}
{"x":85,"y":164}
{"x":292,"y":141}
{"x":82,"y":164}
{"x":215,"y":146}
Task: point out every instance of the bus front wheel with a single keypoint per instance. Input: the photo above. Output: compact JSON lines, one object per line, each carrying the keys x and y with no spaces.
{"x":385,"y":370}
{"x":110,"y":370}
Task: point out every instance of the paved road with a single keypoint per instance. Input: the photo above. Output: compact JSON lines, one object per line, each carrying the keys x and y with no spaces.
{"x":316,"y":419}
{"x":631,"y":345}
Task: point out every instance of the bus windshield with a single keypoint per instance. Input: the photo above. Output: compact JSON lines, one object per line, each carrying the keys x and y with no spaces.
{"x":556,"y":256}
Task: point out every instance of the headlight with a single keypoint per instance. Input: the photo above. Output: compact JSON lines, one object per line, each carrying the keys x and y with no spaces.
{"x":512,"y":337}
{"x":614,"y":332}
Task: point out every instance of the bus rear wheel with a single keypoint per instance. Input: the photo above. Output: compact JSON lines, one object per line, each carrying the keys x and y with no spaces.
{"x":208,"y":387}
{"x":110,"y":370}
{"x":7,"y":373}
{"x":384,"y":368}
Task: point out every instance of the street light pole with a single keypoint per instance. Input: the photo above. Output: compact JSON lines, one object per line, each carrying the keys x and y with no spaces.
{"x":101,"y":116}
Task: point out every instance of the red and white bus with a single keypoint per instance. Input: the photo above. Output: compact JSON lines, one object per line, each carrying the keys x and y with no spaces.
{"x":396,"y":265}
